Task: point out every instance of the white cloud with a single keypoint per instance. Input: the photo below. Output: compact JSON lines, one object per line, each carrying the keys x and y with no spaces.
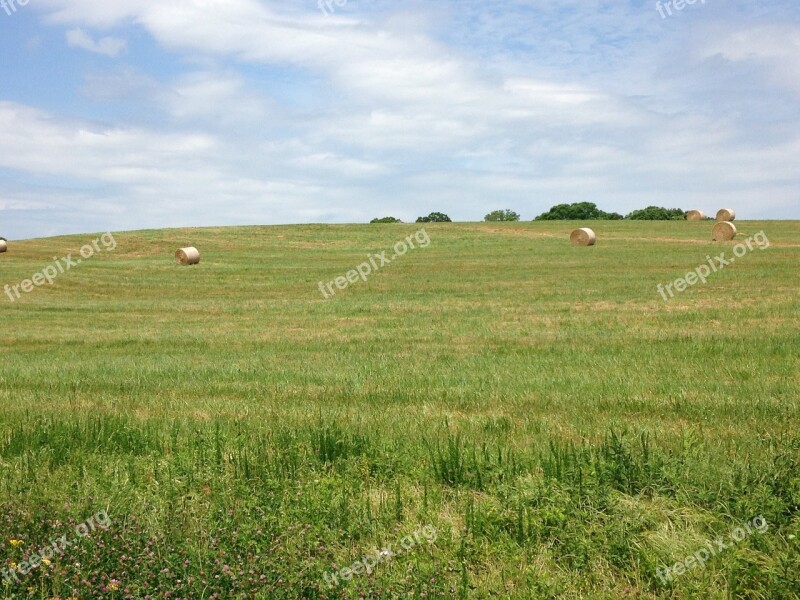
{"x":775,"y":48}
{"x":288,"y":115}
{"x":6,"y":204}
{"x":37,"y":142}
{"x":108,"y":46}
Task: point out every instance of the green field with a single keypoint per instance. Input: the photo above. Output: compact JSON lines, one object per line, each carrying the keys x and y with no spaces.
{"x":563,"y":430}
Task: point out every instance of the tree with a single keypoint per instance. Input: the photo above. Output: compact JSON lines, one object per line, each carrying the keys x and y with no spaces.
{"x":386,"y":220}
{"x":579,"y":211}
{"x":657,"y":213}
{"x":501,"y":215}
{"x":435,"y":217}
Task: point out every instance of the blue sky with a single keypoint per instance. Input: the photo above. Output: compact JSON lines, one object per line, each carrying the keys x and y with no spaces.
{"x":129,"y":114}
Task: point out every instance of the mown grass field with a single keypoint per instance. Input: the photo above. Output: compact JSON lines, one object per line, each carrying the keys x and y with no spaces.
{"x":564,"y":430}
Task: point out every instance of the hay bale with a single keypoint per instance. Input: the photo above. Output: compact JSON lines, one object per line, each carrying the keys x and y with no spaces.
{"x":3,"y":246}
{"x":726,"y":214}
{"x":695,"y":215}
{"x":187,"y":256}
{"x":724,"y":231}
{"x":583,"y":237}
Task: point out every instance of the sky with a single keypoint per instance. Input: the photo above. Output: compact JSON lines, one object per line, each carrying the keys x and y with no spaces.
{"x":119,"y":115}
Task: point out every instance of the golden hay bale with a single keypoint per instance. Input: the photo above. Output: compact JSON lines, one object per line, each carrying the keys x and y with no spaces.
{"x":726,"y":214}
{"x":583,"y":237}
{"x":724,"y":231}
{"x":187,"y":256}
{"x":3,"y":246}
{"x":695,"y":215}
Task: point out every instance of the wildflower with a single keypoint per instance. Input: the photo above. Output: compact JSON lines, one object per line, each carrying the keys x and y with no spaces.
{"x":46,"y":562}
{"x":15,"y":543}
{"x":113,"y":585}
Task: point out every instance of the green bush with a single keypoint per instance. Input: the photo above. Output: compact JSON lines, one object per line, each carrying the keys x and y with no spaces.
{"x":435,"y":217}
{"x":502,"y":215}
{"x":579,"y":211}
{"x":657,"y":213}
{"x":386,"y":220}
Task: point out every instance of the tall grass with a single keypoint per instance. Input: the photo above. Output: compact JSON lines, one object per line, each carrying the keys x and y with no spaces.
{"x":565,"y":430}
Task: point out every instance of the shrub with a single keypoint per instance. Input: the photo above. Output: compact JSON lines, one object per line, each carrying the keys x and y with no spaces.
{"x":435,"y":217}
{"x":502,"y":215}
{"x":579,"y":211}
{"x":386,"y":220}
{"x":657,"y":213}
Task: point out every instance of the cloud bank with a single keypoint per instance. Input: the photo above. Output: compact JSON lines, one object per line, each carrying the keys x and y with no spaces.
{"x":201,"y":112}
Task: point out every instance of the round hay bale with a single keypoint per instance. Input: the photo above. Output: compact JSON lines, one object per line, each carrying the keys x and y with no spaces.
{"x":726,"y":214}
{"x":695,"y":215}
{"x":724,"y":231}
{"x":187,"y":256}
{"x":3,"y":246}
{"x":583,"y":237}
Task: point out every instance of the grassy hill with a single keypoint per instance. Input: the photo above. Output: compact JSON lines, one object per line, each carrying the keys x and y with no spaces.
{"x":564,"y":430}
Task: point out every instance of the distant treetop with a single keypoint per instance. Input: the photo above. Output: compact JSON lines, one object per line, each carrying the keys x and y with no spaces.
{"x":386,"y":220}
{"x":435,"y":217}
{"x":502,"y":215}
{"x":657,"y":213}
{"x":586,"y":211}
{"x":579,"y":211}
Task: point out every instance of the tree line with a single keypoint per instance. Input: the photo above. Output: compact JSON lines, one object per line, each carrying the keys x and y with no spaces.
{"x":578,"y":211}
